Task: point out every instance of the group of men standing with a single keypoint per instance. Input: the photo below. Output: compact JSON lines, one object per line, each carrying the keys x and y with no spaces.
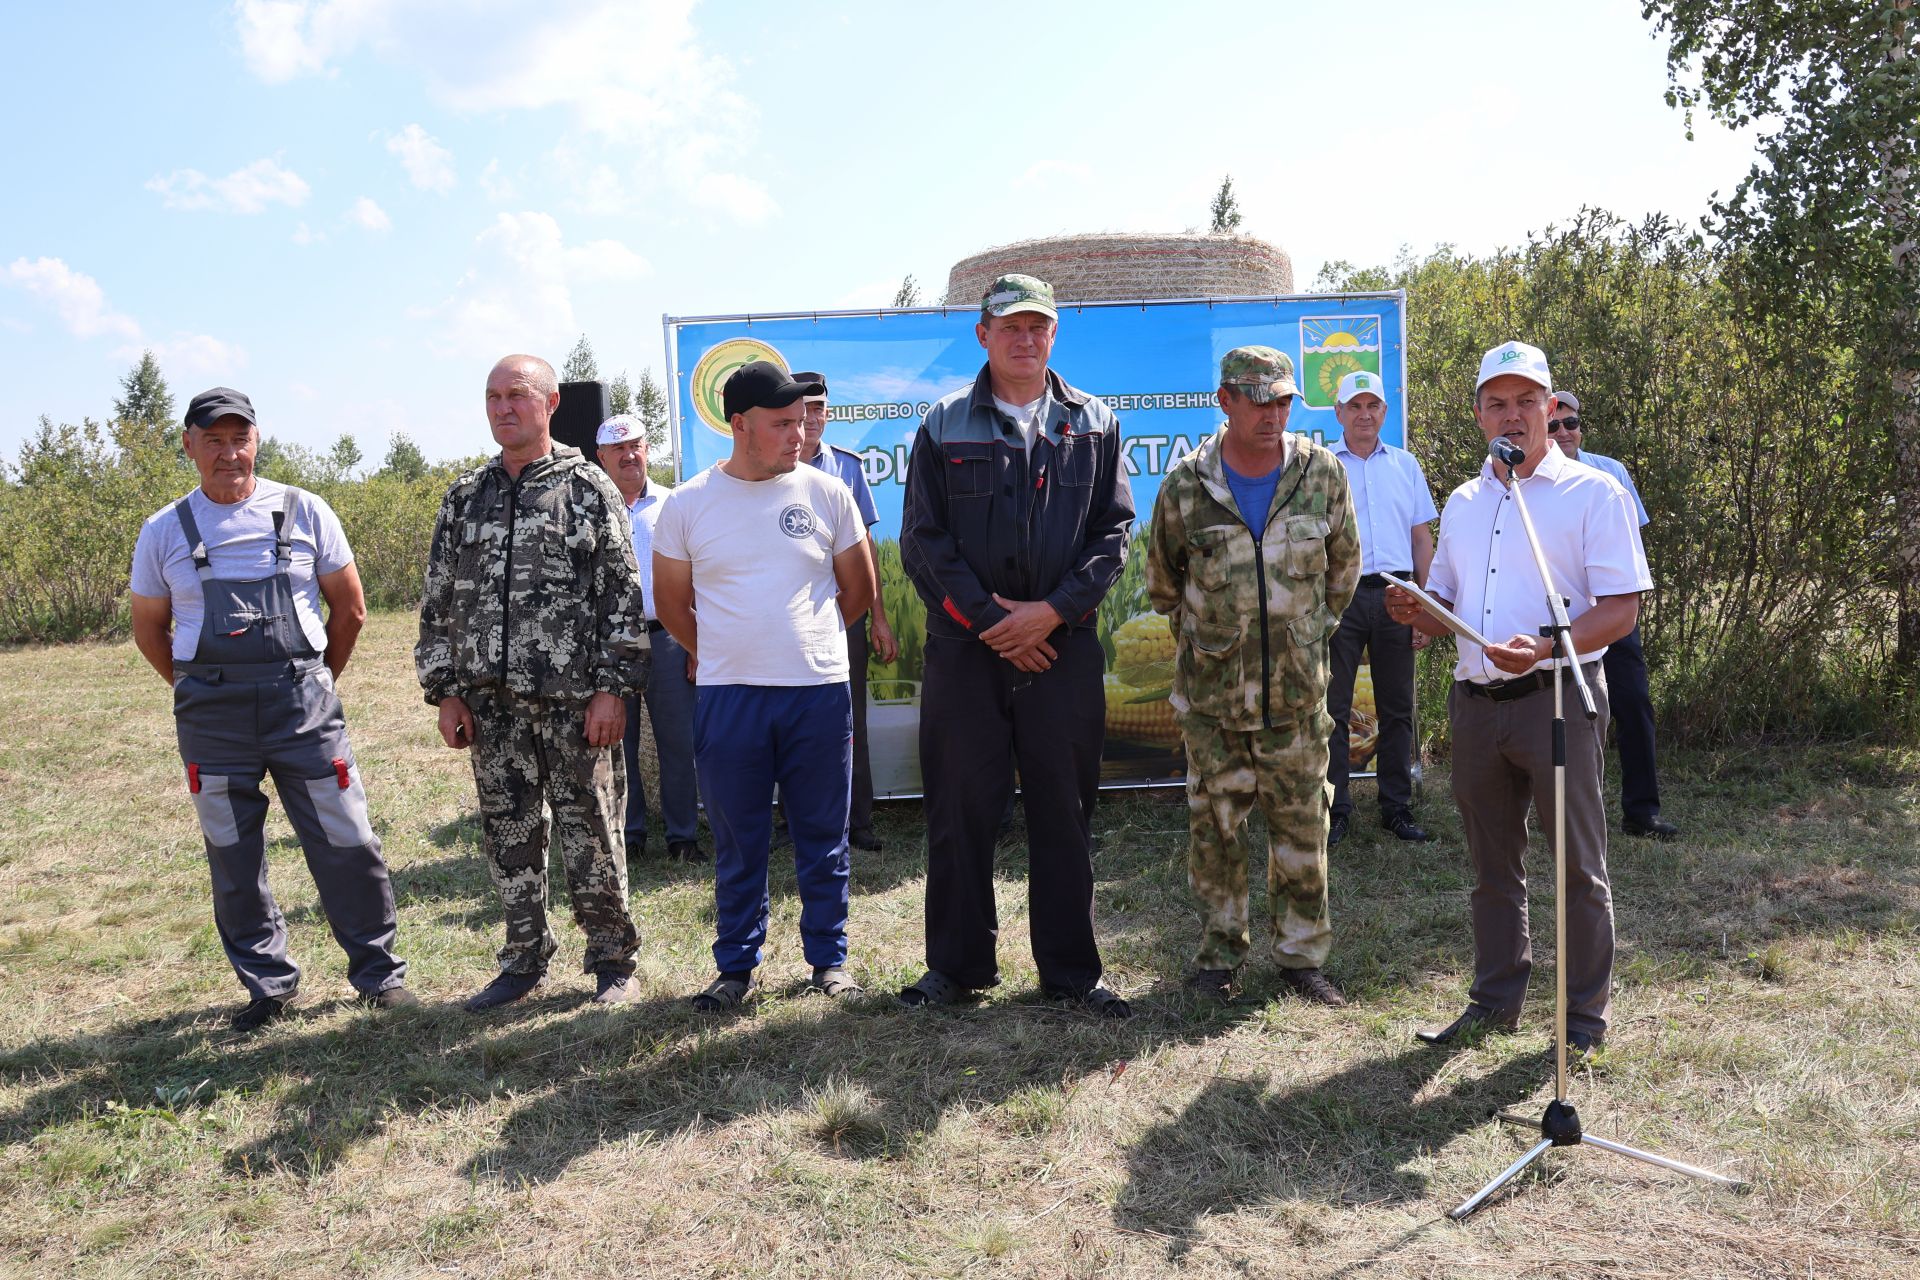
{"x":561,"y":596}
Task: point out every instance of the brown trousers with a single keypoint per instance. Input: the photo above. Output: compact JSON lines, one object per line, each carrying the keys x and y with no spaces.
{"x":1502,"y":761}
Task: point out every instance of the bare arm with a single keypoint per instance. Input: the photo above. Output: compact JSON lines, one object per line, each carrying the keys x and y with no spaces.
{"x":153,"y":632}
{"x":855,"y":573}
{"x":1610,"y":618}
{"x":346,"y":614}
{"x":673,"y":601}
{"x":1422,"y":553}
{"x":885,"y":646}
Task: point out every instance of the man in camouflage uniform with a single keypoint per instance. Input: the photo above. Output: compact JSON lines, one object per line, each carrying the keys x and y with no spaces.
{"x":1253,"y":555}
{"x":530,"y":637}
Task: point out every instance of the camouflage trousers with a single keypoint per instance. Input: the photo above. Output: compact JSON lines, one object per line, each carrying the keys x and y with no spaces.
{"x":1284,"y":771}
{"x":531,"y":753}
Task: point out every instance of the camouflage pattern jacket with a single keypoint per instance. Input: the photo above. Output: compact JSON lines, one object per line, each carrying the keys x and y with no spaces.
{"x":532,"y":586}
{"x":1252,"y":618}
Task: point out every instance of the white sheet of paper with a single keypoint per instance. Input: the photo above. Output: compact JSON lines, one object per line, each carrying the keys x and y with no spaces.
{"x":1455,"y":623}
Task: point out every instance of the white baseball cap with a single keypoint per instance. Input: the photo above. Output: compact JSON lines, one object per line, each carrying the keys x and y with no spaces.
{"x":1516,"y":358}
{"x":1360,"y":381}
{"x":620,"y":428}
{"x":1568,"y":399}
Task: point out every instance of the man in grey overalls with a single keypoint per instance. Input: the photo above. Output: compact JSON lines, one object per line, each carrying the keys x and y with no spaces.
{"x":227,"y":587}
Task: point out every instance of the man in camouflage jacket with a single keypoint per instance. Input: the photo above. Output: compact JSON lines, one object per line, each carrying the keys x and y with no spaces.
{"x":1253,"y":555}
{"x":530,"y":637}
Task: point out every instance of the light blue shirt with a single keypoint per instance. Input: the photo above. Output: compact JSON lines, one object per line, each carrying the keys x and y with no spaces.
{"x":1613,"y":467}
{"x":1390,"y":496}
{"x":846,"y":466}
{"x":643,"y":513}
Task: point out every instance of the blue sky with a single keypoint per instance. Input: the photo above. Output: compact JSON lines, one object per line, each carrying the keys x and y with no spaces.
{"x":349,"y":208}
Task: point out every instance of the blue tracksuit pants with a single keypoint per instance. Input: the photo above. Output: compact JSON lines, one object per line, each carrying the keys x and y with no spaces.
{"x":746,"y":739}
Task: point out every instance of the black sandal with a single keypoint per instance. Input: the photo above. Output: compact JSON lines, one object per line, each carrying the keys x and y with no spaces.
{"x":725,"y":994}
{"x":934,"y":988}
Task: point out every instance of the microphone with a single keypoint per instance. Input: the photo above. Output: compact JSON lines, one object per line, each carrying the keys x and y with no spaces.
{"x":1506,"y":452}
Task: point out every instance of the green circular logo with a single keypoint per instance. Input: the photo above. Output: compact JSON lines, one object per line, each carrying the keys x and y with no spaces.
{"x":710,"y":374}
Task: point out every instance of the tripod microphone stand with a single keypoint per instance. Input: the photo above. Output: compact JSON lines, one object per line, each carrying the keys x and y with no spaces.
{"x":1560,"y":1125}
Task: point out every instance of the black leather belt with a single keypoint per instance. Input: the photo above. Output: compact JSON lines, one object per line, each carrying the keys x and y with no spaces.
{"x":1519,"y":686}
{"x":1377,"y":580}
{"x":654,"y":625}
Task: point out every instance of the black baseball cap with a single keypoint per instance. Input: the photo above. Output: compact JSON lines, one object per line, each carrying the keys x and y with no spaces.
{"x":764,"y":385}
{"x":219,"y":402}
{"x":810,"y":376}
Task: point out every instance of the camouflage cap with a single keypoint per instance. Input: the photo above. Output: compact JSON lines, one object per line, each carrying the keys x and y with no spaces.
{"x":1262,"y":374}
{"x":1361,"y":382}
{"x":1014,"y":293}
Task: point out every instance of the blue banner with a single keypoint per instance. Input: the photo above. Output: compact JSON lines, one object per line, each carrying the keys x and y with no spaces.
{"x":1156,"y":364}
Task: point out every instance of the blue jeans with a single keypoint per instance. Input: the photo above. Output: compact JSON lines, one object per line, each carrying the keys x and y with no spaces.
{"x":669,"y":701}
{"x":746,"y":738}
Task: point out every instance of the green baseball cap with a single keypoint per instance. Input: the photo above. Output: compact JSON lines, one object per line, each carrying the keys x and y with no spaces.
{"x":1014,"y":293}
{"x":1262,"y":374}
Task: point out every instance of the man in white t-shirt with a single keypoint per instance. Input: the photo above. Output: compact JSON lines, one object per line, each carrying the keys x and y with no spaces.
{"x":1501,"y":706}
{"x":759,"y":564}
{"x":237,"y":571}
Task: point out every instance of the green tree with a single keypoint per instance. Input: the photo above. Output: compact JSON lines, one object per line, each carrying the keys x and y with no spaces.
{"x":650,"y":404}
{"x":1829,"y":215}
{"x":908,"y":294}
{"x":1225,"y":209}
{"x":344,"y":458}
{"x":404,"y":459}
{"x":580,"y":365}
{"x":144,"y":397}
{"x":620,"y":394}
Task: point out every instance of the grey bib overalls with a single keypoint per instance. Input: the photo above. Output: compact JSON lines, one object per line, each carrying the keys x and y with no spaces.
{"x":257,"y":699}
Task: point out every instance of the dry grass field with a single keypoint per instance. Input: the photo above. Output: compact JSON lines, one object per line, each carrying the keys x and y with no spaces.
{"x":1767,"y":1026}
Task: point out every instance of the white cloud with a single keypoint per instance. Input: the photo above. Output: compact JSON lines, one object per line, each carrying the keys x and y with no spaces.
{"x":75,"y":297}
{"x":192,"y":354}
{"x":303,"y":235}
{"x":634,"y":76}
{"x":81,"y":304}
{"x":366,"y":214}
{"x":497,"y":186}
{"x":605,"y":260}
{"x":248,"y":190}
{"x":429,"y":165}
{"x":1046,"y":173}
{"x":518,"y":294}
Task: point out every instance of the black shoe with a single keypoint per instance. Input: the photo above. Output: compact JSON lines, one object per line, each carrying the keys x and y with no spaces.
{"x":864,"y":839}
{"x":1102,"y":1000}
{"x":685,"y":851}
{"x":504,"y":989}
{"x":1311,"y":984}
{"x":1336,"y":830}
{"x":259,"y":1013}
{"x":1403,"y":825}
{"x":1216,"y":983}
{"x":1654,"y":828}
{"x":391,"y":998}
{"x":1476,"y":1021}
{"x":612,"y":986}
{"x":1582,"y":1044}
{"x":636,"y":848}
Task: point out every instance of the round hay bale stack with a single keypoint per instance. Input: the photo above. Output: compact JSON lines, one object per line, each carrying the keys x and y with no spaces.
{"x":1109,"y":265}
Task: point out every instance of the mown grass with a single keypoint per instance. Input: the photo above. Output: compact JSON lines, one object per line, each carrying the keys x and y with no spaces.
{"x":1766,"y":1025}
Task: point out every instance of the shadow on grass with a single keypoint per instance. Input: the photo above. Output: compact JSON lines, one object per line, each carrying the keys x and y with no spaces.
{"x":1348,"y":1138}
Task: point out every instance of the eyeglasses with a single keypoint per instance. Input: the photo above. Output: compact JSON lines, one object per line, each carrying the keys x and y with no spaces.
{"x":1564,"y":424}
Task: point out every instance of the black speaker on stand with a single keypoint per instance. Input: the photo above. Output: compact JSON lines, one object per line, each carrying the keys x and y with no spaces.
{"x":583,"y":407}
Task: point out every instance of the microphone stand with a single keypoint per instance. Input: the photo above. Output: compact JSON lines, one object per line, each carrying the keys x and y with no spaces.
{"x":1560,"y":1125}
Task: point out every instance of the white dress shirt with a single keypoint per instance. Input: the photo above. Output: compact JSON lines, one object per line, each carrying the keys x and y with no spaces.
{"x":643,"y":513}
{"x":1390,"y":496}
{"x":1484,"y":563}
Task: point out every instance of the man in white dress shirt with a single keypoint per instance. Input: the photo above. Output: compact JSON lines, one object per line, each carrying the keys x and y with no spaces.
{"x":1393,"y":508}
{"x":621,"y":447}
{"x":1501,"y":705}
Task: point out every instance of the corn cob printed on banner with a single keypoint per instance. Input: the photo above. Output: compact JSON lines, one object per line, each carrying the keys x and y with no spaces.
{"x":1156,"y":364}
